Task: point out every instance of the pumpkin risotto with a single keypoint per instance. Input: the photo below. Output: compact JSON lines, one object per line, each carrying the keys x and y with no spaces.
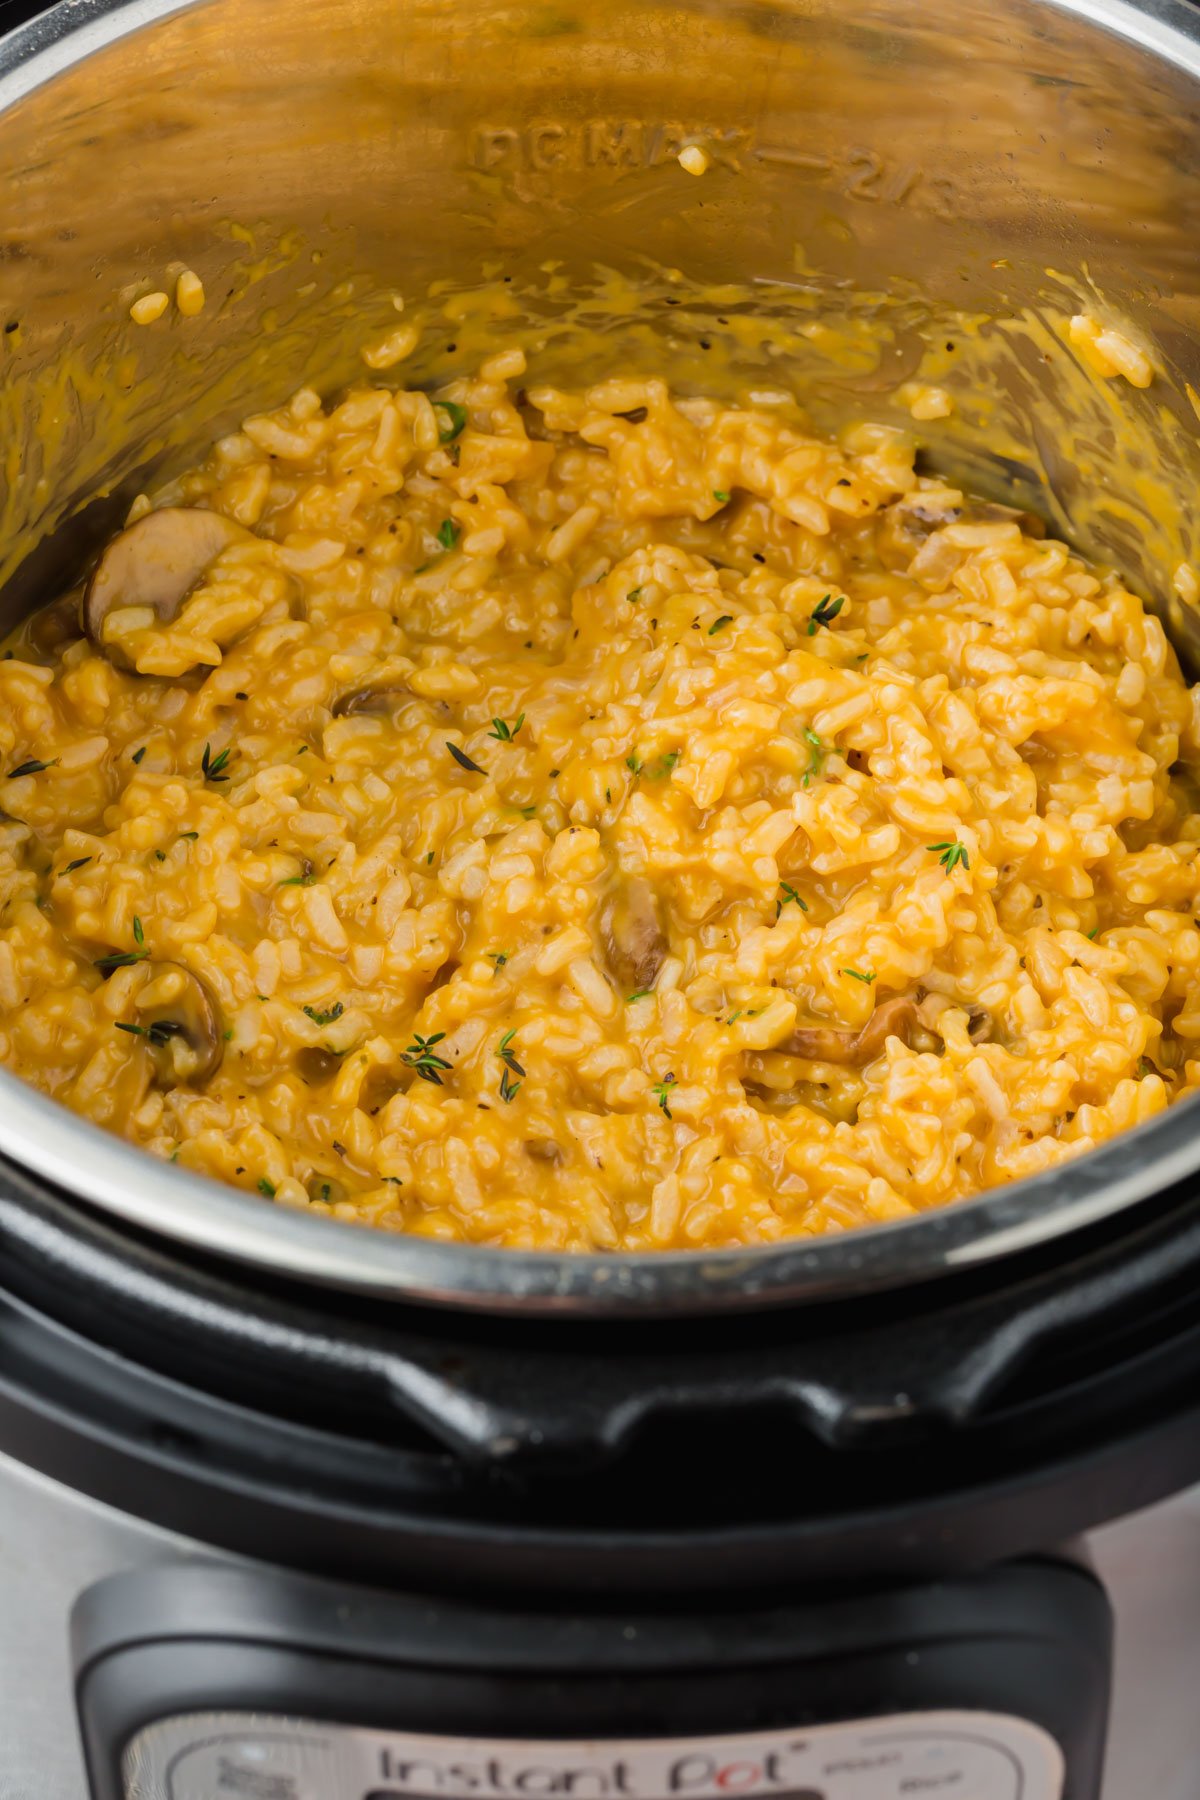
{"x":596,"y":820}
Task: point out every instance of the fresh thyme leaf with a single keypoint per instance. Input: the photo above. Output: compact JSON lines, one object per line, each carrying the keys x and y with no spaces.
{"x":635,"y":415}
{"x":32,"y":767}
{"x":138,"y":754}
{"x":866,"y":975}
{"x":77,"y":864}
{"x":509,"y":1089}
{"x":324,"y":1018}
{"x":786,"y":895}
{"x":420,"y":1056}
{"x":448,"y":534}
{"x":825,"y":612}
{"x":1093,"y":932}
{"x":340,"y":1148}
{"x":139,"y":936}
{"x":721,"y":495}
{"x":266,"y":1187}
{"x":456,"y":418}
{"x":463,"y":760}
{"x":160,"y":856}
{"x":506,"y":733}
{"x":305,"y":880}
{"x":951,"y":855}
{"x":191,"y":835}
{"x":429,"y":859}
{"x":720,"y":624}
{"x":499,"y":957}
{"x":634,"y":762}
{"x":119,"y":959}
{"x":664,"y":765}
{"x":213,"y":768}
{"x":818,"y":753}
{"x":640,"y":995}
{"x":634,"y":594}
{"x":662,"y":1091}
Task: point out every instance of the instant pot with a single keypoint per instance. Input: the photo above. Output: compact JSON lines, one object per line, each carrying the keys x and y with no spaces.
{"x":297,"y":1511}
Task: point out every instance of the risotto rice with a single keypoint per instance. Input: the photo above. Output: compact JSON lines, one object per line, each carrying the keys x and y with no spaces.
{"x":596,"y":820}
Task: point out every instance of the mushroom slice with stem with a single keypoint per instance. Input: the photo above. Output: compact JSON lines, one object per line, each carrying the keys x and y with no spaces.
{"x":155,"y":563}
{"x":178,"y":1019}
{"x":634,"y":941}
{"x":826,"y":1043}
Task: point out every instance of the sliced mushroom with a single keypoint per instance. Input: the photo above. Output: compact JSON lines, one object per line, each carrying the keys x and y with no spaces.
{"x":326,"y":1190}
{"x":543,"y":1150}
{"x":379,"y":697}
{"x":180,"y":1024}
{"x":980,"y":1025}
{"x":155,"y":562}
{"x":634,"y":941}
{"x":826,"y":1043}
{"x":906,"y":526}
{"x":54,"y":626}
{"x":316,"y":1065}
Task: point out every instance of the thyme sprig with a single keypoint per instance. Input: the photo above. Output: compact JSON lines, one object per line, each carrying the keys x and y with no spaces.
{"x":421,"y":1056}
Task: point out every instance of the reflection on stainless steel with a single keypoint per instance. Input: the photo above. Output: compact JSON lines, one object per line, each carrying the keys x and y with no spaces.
{"x":963,"y":175}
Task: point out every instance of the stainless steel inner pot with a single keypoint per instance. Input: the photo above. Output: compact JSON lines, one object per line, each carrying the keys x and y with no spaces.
{"x":968,"y":172}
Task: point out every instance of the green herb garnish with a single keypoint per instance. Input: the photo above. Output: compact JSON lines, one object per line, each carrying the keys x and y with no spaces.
{"x":785,"y":897}
{"x":819,"y":752}
{"x":77,"y":864}
{"x":506,"y":733}
{"x":951,"y":855}
{"x":420,"y":1056}
{"x":634,"y":594}
{"x":448,"y":534}
{"x":721,"y":495}
{"x":661,"y":1090}
{"x":119,"y":959}
{"x":499,"y":957}
{"x":509,"y":1088}
{"x":633,"y":761}
{"x":139,"y":936}
{"x":640,"y":995}
{"x":720,"y":624}
{"x":305,"y":880}
{"x":463,"y":760}
{"x":190,"y":835}
{"x":324,"y":1018}
{"x":32,"y":767}
{"x":158,"y":1034}
{"x":213,"y":767}
{"x":456,"y":419}
{"x":138,"y":754}
{"x":866,"y":975}
{"x":266,"y":1188}
{"x":825,"y":612}
{"x":663,"y":767}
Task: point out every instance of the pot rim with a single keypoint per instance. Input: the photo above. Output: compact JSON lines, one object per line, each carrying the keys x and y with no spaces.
{"x":104,"y":1172}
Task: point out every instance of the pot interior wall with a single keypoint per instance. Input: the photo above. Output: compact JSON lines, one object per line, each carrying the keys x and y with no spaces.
{"x":931,"y":188}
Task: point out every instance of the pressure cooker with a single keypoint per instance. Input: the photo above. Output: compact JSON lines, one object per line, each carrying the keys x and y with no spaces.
{"x":297,"y":1511}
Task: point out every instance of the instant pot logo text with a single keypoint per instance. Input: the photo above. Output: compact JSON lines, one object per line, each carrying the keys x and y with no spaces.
{"x":694,"y":1775}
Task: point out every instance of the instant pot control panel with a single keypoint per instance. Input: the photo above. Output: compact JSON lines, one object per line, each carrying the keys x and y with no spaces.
{"x":201,"y":1681}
